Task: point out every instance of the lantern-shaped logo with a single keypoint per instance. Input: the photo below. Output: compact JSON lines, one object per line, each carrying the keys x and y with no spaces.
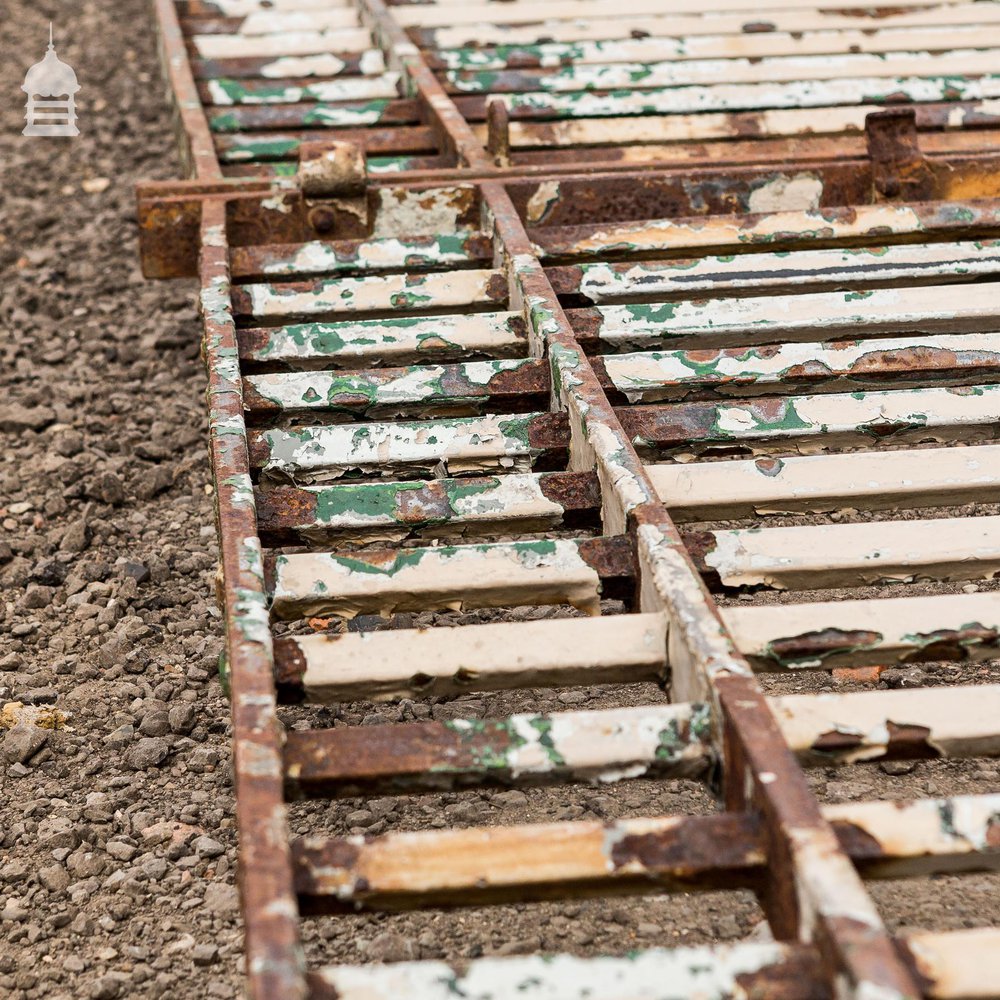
{"x":50,"y":86}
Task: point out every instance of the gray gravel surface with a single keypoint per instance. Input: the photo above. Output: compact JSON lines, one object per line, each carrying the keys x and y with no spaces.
{"x":117,"y":846}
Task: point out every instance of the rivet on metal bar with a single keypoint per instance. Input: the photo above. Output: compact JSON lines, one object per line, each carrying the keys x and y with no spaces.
{"x":899,"y":169}
{"x":498,"y":131}
{"x":332,"y":178}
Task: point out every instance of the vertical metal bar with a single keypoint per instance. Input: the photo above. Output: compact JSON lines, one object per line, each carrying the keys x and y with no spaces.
{"x":454,"y":131}
{"x":196,"y":137}
{"x":275,"y":964}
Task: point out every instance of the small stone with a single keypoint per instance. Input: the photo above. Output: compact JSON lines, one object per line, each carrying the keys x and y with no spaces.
{"x":148,"y":752}
{"x":390,"y":947}
{"x":649,"y":930}
{"x":68,"y":443}
{"x":153,"y":482}
{"x":56,"y":832}
{"x":86,"y":864}
{"x":221,"y":898}
{"x":106,"y":988}
{"x":22,"y":742}
{"x":50,"y":572}
{"x":95,"y":185}
{"x":14,"y":418}
{"x":204,"y":954}
{"x":76,"y":537}
{"x":139,"y":571}
{"x":511,"y":797}
{"x":98,"y":808}
{"x":120,"y":851}
{"x":14,"y":872}
{"x":36,"y":597}
{"x":181,"y":718}
{"x":908,"y":677}
{"x":120,"y":737}
{"x":154,"y":724}
{"x":108,"y":488}
{"x":970,"y":588}
{"x":360,"y":817}
{"x":895,"y":767}
{"x":208,"y":848}
{"x":55,"y":878}
{"x":14,"y":911}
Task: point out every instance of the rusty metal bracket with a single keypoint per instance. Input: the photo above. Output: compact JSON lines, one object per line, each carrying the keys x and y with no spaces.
{"x":332,"y":179}
{"x":498,"y":131}
{"x":899,"y":169}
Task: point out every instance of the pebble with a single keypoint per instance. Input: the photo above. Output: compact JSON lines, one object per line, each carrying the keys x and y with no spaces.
{"x":138,"y":571}
{"x":22,"y":742}
{"x":14,"y":911}
{"x":55,"y":878}
{"x":221,"y":898}
{"x":76,"y":537}
{"x":181,"y":718}
{"x":391,"y":947}
{"x":14,"y":417}
{"x":896,"y":767}
{"x":148,"y":752}
{"x":208,"y":848}
{"x":204,"y":954}
{"x":154,"y":724}
{"x":511,"y":797}
{"x":108,"y":987}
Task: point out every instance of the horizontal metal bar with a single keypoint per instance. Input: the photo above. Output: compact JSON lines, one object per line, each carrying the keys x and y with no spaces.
{"x":832,"y":729}
{"x":552,"y":860}
{"x":439,"y":507}
{"x":419,"y":391}
{"x":850,"y":555}
{"x":770,"y":231}
{"x":769,"y":18}
{"x":325,"y":64}
{"x":821,"y":73}
{"x":786,"y":368}
{"x":226,"y":91}
{"x":742,"y":274}
{"x":375,"y":140}
{"x":664,"y":854}
{"x":392,"y":341}
{"x":606,"y":745}
{"x":350,"y":114}
{"x":963,"y":627}
{"x":536,"y":10}
{"x":408,"y":663}
{"x":817,"y":422}
{"x":889,"y":480}
{"x":499,"y":574}
{"x":457,"y":446}
{"x":372,"y":293}
{"x":351,"y":256}
{"x":753,"y":45}
{"x":301,"y":43}
{"x":723,"y":972}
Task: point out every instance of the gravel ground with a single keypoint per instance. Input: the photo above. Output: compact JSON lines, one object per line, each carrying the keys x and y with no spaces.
{"x":117,"y":846}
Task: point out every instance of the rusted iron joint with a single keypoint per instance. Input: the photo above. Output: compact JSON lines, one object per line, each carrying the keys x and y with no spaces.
{"x":332,"y":178}
{"x":498,"y":131}
{"x":899,"y":169}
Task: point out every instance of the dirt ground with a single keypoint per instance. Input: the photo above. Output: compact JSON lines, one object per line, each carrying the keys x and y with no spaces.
{"x":117,"y":847}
